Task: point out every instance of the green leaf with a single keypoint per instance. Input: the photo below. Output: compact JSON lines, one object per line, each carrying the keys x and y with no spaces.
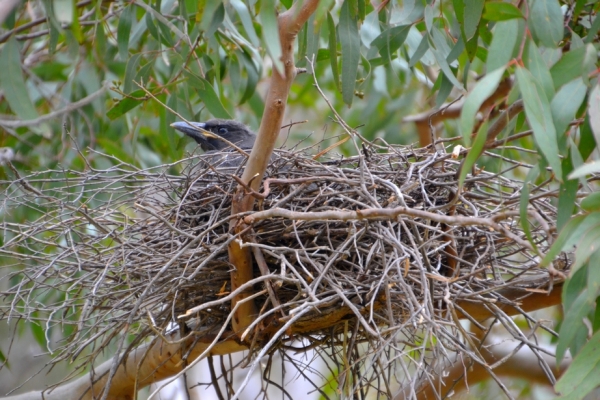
{"x":583,"y":375}
{"x":473,"y":49}
{"x":591,"y":203}
{"x":457,"y":50}
{"x":333,"y":51}
{"x":123,"y":32}
{"x":569,"y":67}
{"x":115,"y":149}
{"x":482,"y":91}
{"x":591,"y":34}
{"x":444,"y":90}
{"x":473,"y":154}
{"x":567,"y":195}
{"x":572,"y":323}
{"x":13,"y":83}
{"x":390,"y":40}
{"x":246,"y":18}
{"x":130,"y":71}
{"x":459,"y":10}
{"x":352,"y":7}
{"x":594,"y":111}
{"x":501,"y":11}
{"x":38,"y":333}
{"x":441,"y":52}
{"x":572,"y":288}
{"x":585,"y":169}
{"x":75,"y":24}
{"x":208,"y":95}
{"x":160,"y":18}
{"x":166,"y":36}
{"x":538,"y":68}
{"x":270,"y":33}
{"x":421,"y":50}
{"x":537,"y":110}
{"x":53,"y":25}
{"x":503,"y":44}
{"x":215,"y":23}
{"x":593,"y":279}
{"x":350,"y":43}
{"x":312,"y":38}
{"x":570,"y":235}
{"x":472,"y":16}
{"x":587,"y":142}
{"x":152,"y":27}
{"x":125,"y":105}
{"x":100,"y":42}
{"x":546,"y":22}
{"x":144,"y":72}
{"x":565,"y":104}
{"x":362,"y":10}
{"x":253,"y":77}
{"x":588,"y":245}
{"x":524,"y":203}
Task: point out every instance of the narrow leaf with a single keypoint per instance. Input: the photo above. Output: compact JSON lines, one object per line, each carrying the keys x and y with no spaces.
{"x":501,"y":11}
{"x":390,"y":40}
{"x":270,"y":33}
{"x":524,"y":203}
{"x":333,"y":51}
{"x":13,"y":82}
{"x":566,"y":102}
{"x":130,"y":71}
{"x":587,"y":142}
{"x":537,"y":110}
{"x":591,"y":203}
{"x":123,"y":32}
{"x":567,"y":195}
{"x":482,"y":91}
{"x":585,"y":169}
{"x":569,"y":67}
{"x":253,"y":76}
{"x":503,"y":44}
{"x":126,"y":104}
{"x":572,"y":323}
{"x":350,"y":43}
{"x":538,"y":68}
{"x":546,"y":22}
{"x":594,"y":111}
{"x":246,"y":18}
{"x":570,"y":235}
{"x":472,"y":17}
{"x":583,"y":375}
{"x":208,"y":95}
{"x":473,"y":154}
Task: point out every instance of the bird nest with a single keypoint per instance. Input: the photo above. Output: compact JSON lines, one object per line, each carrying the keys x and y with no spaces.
{"x":383,"y":248}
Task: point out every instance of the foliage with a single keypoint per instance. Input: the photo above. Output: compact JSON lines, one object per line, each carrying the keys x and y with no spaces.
{"x":376,"y":64}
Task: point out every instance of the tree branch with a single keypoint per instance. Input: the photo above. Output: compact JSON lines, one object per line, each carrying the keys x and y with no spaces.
{"x":145,"y":365}
{"x":290,"y":23}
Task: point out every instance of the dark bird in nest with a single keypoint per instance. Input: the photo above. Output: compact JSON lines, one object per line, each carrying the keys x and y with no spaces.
{"x":210,"y":134}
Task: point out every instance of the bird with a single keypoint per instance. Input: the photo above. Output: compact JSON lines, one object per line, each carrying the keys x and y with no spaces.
{"x":210,"y":134}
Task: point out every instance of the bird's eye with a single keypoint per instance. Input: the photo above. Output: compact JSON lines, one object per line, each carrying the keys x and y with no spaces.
{"x":222,"y":130}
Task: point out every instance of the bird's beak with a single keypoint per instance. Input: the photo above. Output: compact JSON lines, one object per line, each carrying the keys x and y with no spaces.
{"x":193,"y":128}
{"x":186,"y":127}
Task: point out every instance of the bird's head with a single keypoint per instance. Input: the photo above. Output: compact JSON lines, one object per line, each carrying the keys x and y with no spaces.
{"x":208,"y":134}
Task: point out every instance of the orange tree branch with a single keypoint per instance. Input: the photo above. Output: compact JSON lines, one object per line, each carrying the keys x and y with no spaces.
{"x":145,"y":365}
{"x":290,"y":23}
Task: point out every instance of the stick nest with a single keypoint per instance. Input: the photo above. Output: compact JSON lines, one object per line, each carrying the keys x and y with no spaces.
{"x":382,"y":245}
